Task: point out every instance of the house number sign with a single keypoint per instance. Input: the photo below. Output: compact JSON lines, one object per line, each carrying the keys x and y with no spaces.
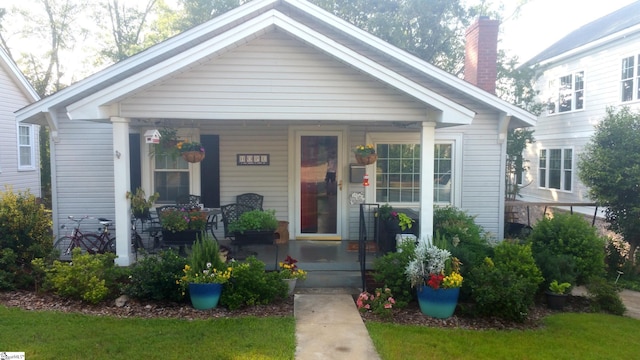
{"x":253,"y":159}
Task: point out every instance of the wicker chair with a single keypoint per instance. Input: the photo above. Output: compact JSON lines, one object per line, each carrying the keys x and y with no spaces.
{"x":252,"y":200}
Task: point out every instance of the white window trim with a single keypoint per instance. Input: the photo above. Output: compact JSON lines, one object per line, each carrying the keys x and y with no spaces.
{"x":554,"y":90}
{"x":32,"y":145}
{"x":636,"y":79}
{"x":414,"y":138}
{"x":562,"y":170}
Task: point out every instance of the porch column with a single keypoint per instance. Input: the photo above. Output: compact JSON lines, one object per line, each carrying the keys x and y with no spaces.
{"x":427,"y":143}
{"x":122,"y":184}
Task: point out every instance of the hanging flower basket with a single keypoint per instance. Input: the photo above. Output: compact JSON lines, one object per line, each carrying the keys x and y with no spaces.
{"x":192,"y":156}
{"x":366,"y":159}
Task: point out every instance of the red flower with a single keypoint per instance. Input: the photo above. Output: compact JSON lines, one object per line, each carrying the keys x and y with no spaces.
{"x":435,"y":280}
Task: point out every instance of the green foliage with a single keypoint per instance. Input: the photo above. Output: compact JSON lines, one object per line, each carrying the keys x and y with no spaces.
{"x":25,"y":234}
{"x":91,"y":278}
{"x":610,"y":167}
{"x":572,"y":235}
{"x":389,"y":270}
{"x":255,"y":220}
{"x":205,"y":250}
{"x":604,"y":297}
{"x":561,"y":267}
{"x":154,"y":277}
{"x":517,"y":141}
{"x":380,"y":302}
{"x":559,"y":288}
{"x":506,"y":286}
{"x":251,"y":285}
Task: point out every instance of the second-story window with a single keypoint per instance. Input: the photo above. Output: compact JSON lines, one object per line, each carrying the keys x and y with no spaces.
{"x":570,"y":93}
{"x":630,"y":79}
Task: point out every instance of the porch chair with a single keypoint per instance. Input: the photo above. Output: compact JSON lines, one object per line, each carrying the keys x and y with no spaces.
{"x":252,"y":200}
{"x":188,"y":201}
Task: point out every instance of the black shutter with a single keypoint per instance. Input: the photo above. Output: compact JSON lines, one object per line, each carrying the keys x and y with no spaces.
{"x":210,"y":171}
{"x":134,"y":162}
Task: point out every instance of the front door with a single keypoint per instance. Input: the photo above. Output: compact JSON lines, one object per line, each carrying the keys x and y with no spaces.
{"x":319,"y":183}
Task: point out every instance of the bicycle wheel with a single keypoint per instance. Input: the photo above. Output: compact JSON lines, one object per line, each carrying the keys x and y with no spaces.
{"x":110,"y":246}
{"x":91,"y":243}
{"x":64,"y":245}
{"x":136,"y":242}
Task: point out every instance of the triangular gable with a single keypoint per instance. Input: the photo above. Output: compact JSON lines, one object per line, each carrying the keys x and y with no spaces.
{"x":12,"y":69}
{"x":96,"y":97}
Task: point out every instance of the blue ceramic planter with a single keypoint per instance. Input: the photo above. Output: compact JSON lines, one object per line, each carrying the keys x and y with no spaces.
{"x":440,"y":303}
{"x":205,"y":296}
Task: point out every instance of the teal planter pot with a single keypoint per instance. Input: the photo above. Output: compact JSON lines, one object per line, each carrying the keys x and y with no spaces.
{"x":440,"y":303}
{"x":204,"y":296}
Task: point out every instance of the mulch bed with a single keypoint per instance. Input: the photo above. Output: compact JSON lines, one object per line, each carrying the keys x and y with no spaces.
{"x":411,"y":315}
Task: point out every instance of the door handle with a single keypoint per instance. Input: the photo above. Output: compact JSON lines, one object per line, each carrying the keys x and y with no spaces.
{"x":340,"y":185}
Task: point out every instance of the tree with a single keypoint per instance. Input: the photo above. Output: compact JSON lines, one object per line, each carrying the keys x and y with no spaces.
{"x":610,"y":167}
{"x":517,"y":141}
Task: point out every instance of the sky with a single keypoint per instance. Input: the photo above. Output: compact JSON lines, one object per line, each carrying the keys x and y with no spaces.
{"x":540,"y":23}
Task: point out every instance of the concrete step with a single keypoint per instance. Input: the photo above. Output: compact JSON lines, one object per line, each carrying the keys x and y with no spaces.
{"x":331,"y":279}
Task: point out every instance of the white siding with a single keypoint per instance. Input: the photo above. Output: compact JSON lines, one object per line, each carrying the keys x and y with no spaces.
{"x":602,"y":71}
{"x":277,"y":78}
{"x":11,"y":100}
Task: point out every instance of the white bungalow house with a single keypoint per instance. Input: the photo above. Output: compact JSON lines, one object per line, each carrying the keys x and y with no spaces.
{"x":590,"y":69}
{"x":274,"y":89}
{"x":19,"y":154}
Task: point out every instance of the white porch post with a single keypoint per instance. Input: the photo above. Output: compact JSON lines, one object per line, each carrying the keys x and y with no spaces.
{"x":122,"y":184}
{"x":427,"y":143}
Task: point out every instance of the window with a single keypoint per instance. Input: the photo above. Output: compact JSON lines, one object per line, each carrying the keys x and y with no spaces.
{"x":555,"y":169}
{"x":630,"y":79}
{"x":570,"y":94}
{"x":171,"y":177}
{"x":398,"y":172}
{"x":26,"y":157}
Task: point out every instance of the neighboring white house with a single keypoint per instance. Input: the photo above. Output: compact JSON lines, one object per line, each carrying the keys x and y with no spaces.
{"x":274,"y":89}
{"x":592,"y":68}
{"x":19,"y":155}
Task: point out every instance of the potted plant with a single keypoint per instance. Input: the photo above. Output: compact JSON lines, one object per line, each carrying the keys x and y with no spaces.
{"x":290,"y":273}
{"x":392,"y":223}
{"x":557,"y":295}
{"x":436,"y":275}
{"x":191,"y":151}
{"x":168,"y":143}
{"x":204,"y":274}
{"x":140,"y":204}
{"x":365,"y":154}
{"x":255,"y":226}
{"x":180,"y":226}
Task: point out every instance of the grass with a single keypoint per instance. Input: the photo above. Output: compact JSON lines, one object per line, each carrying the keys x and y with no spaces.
{"x":564,"y":336}
{"x":52,"y":335}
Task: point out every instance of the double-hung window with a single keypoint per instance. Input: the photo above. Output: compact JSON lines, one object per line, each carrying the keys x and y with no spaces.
{"x":171,"y":177}
{"x":570,"y":93}
{"x":26,"y":152}
{"x":630,"y":79}
{"x":397,"y":178}
{"x":555,"y":169}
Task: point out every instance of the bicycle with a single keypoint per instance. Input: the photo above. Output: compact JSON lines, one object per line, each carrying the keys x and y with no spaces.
{"x":87,"y":242}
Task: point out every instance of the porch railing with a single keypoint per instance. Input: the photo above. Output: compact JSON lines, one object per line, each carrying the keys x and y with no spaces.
{"x":368,"y":231}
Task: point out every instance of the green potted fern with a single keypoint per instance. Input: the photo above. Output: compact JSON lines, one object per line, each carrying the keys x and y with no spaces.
{"x":557,"y":294}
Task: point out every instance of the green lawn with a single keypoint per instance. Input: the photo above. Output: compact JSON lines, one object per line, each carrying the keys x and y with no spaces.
{"x":51,"y":335}
{"x":565,"y":336}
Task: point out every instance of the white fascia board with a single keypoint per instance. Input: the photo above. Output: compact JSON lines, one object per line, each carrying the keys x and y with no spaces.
{"x":415,"y":62}
{"x":592,"y":45}
{"x":374,"y":69}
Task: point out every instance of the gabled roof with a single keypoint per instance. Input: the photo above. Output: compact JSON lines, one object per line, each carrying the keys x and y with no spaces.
{"x":12,"y":69}
{"x":620,"y":23}
{"x":91,"y":98}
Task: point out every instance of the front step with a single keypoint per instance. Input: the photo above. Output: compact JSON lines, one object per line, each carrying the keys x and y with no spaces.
{"x":331,"y":279}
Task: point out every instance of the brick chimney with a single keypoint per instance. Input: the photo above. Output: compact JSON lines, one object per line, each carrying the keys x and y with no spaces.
{"x":481,"y":54}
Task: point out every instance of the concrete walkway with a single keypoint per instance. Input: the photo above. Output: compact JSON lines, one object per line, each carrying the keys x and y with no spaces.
{"x":630,"y":299}
{"x":328,"y":326}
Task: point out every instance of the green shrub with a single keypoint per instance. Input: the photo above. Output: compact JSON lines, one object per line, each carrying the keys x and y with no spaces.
{"x":91,"y":278}
{"x":604,"y":297}
{"x":251,"y":285}
{"x":154,"y":277}
{"x":389,"y":270}
{"x":203,"y":251}
{"x":25,"y":234}
{"x":555,"y":267}
{"x":571,"y":234}
{"x":505,"y":286}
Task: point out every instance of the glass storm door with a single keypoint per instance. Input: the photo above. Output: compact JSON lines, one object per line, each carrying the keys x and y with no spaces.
{"x":319,"y":185}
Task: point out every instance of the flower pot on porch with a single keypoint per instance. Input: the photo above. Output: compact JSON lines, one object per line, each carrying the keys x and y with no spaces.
{"x":291,"y":284}
{"x":193,"y":156}
{"x":249,"y":237}
{"x":438,"y":303}
{"x":366,"y":159}
{"x":180,"y":238}
{"x":556,"y":301}
{"x":204,"y":296}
